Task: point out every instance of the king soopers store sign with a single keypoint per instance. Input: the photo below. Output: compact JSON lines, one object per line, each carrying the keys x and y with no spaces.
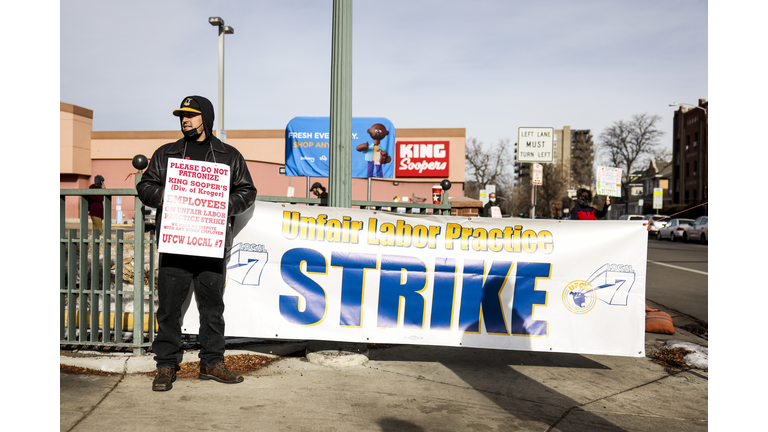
{"x":422,"y":159}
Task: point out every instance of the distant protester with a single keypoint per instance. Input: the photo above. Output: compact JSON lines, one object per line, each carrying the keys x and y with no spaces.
{"x":492,"y":202}
{"x":96,"y":205}
{"x":583,"y":209}
{"x":319,"y":191}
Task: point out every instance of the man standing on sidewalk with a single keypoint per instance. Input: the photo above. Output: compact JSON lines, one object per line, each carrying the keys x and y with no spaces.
{"x":176,"y":272}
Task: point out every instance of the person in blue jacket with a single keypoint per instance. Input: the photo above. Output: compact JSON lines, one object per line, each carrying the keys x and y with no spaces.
{"x":583,"y":209}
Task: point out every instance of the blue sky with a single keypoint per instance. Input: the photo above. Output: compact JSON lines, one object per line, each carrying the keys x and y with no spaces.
{"x":487,"y":66}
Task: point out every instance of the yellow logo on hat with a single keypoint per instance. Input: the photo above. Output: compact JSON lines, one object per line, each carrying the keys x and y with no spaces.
{"x":188,"y":101}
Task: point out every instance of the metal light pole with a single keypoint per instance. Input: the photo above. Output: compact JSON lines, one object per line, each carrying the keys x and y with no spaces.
{"x":218,"y":22}
{"x":340,"y":151}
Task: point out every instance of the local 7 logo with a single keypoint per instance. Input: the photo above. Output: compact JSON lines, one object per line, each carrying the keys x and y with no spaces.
{"x":246,"y":263}
{"x":422,"y":159}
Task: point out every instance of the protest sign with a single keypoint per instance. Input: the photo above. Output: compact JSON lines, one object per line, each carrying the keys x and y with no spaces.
{"x":312,"y":273}
{"x":195,"y":204}
{"x":608,"y":181}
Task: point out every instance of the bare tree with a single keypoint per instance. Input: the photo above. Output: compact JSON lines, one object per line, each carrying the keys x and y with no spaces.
{"x":522,"y":197}
{"x":629,"y":144}
{"x":550,"y":193}
{"x":662,"y":156}
{"x":484,"y":167}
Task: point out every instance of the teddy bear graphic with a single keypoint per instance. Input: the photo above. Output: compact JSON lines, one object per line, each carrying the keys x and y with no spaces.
{"x":373,"y":155}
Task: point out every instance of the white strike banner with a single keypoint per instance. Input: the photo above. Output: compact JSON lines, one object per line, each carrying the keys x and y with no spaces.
{"x":324,"y":273}
{"x":195,"y":204}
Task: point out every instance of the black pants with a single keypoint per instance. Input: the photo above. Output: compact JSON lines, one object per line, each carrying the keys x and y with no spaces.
{"x":175,"y":275}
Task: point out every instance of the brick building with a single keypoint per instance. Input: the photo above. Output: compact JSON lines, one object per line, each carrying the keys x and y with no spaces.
{"x":690,"y":173}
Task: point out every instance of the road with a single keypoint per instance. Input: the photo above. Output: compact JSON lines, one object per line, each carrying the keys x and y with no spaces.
{"x":677,"y":277}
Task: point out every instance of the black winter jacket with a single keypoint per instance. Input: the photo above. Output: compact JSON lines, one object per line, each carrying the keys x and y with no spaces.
{"x":242,"y":192}
{"x":487,"y":208}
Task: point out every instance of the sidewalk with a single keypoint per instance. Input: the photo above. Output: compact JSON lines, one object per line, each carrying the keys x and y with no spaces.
{"x":396,"y":388}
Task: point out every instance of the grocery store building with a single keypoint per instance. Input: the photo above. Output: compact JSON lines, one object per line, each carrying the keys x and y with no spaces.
{"x":85,"y":153}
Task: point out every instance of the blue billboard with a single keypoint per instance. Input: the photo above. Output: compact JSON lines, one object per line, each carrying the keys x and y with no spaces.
{"x":307,"y":140}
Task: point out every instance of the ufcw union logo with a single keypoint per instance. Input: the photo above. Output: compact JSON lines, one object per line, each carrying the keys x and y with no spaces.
{"x":610,"y":284}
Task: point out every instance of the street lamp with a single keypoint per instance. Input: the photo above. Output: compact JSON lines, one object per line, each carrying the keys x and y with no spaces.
{"x":691,"y":105}
{"x":223,"y":29}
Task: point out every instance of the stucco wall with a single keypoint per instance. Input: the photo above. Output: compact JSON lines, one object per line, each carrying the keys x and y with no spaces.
{"x":86,"y":153}
{"x":76,"y":124}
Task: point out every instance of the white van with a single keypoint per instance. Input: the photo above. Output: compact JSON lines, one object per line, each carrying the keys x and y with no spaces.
{"x":631,"y":217}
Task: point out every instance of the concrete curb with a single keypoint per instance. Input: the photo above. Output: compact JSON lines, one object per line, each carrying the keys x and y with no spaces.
{"x":128,"y":363}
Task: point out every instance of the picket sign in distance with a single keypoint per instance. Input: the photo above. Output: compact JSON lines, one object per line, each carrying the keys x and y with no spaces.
{"x":608,"y":181}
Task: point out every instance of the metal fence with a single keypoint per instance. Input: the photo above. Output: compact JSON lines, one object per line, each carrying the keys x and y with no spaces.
{"x":92,"y":272}
{"x":95,"y":309}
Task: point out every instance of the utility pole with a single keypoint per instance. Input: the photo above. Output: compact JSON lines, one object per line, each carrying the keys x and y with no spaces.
{"x":340,"y":151}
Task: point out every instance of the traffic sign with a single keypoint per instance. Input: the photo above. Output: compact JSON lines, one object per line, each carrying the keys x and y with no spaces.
{"x":535,"y":144}
{"x":658,"y":198}
{"x":538,"y":174}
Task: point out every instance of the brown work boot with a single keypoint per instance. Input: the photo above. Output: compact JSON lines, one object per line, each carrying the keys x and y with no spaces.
{"x":220,"y":373}
{"x":165,"y":378}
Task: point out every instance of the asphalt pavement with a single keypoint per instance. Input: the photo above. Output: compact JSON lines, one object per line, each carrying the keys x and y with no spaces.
{"x":395,"y":388}
{"x":685,"y":267}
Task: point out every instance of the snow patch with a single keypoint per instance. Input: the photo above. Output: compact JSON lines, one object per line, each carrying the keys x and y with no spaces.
{"x":698,"y":358}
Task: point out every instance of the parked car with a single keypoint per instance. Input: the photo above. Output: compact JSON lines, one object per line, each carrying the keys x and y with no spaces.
{"x":674,"y":229}
{"x":697,"y":230}
{"x":655,"y":222}
{"x":631,"y":217}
